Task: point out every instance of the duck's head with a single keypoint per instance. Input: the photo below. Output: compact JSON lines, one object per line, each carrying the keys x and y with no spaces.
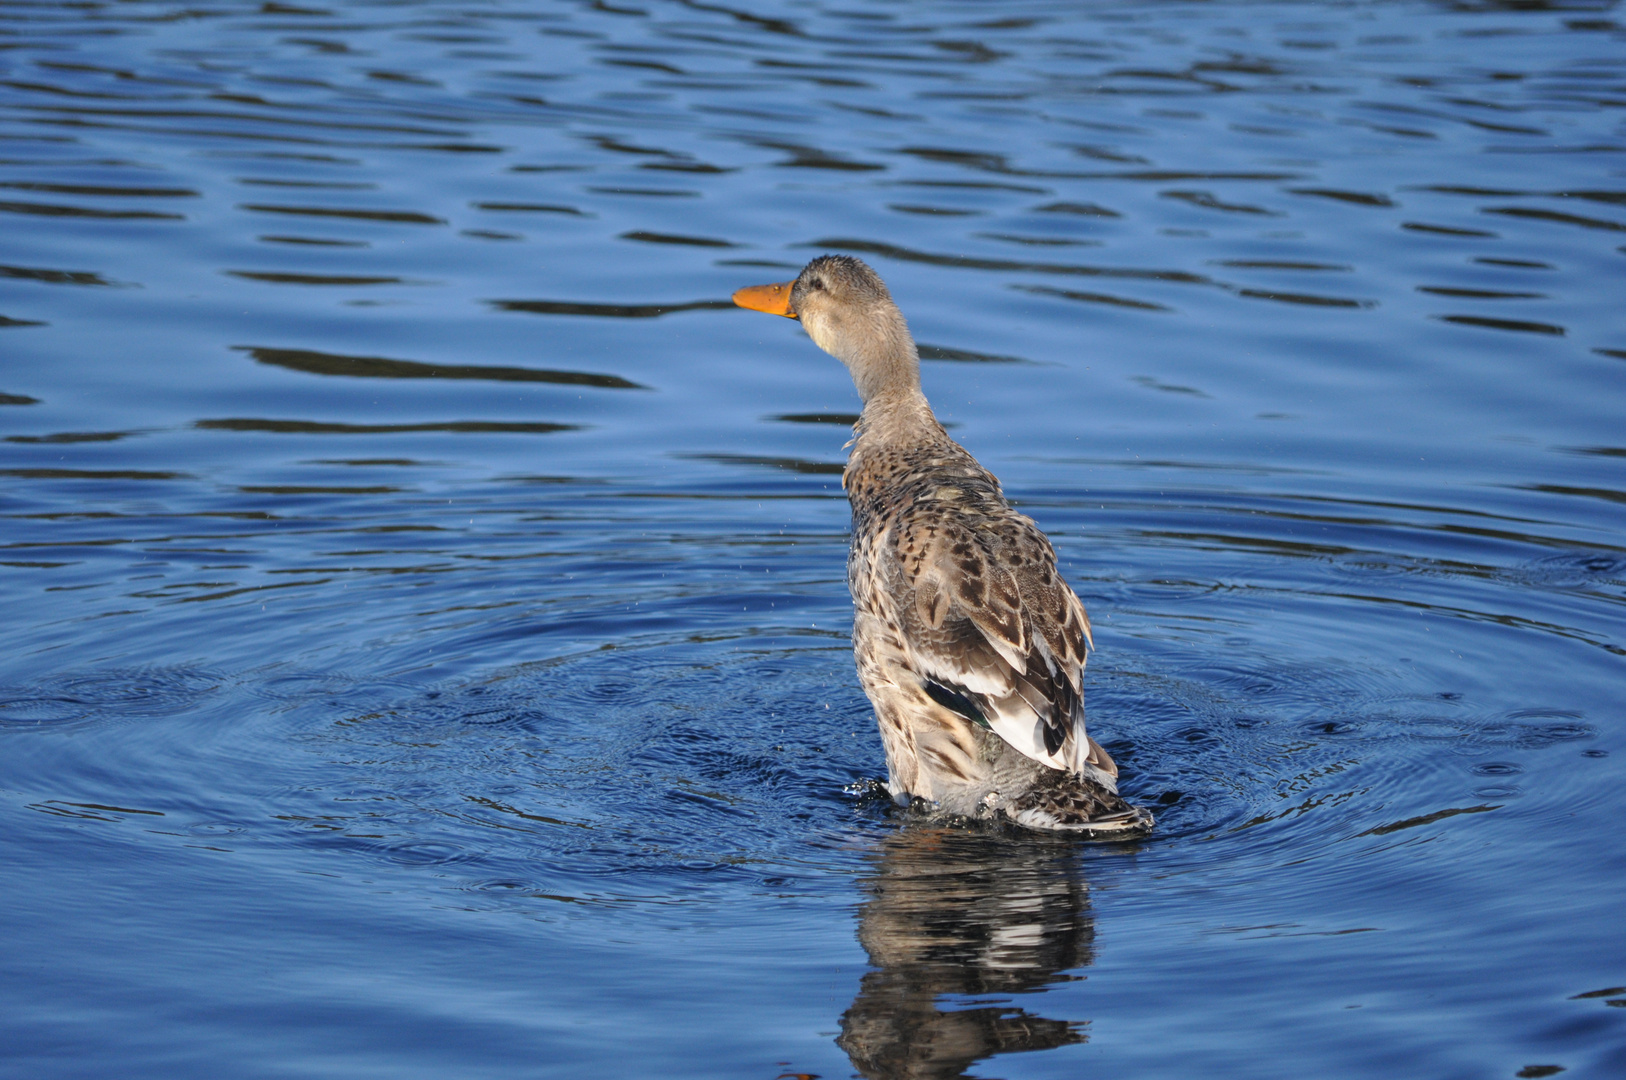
{"x":846,"y":310}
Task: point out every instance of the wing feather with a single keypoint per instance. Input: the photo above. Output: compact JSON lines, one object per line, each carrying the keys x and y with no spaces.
{"x":984,"y":614}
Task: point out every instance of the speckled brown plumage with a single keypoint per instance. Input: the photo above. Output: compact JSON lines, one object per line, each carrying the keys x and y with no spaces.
{"x":968,"y":641}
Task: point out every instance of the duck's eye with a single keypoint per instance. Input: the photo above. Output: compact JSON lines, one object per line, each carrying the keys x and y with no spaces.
{"x":815,"y":283}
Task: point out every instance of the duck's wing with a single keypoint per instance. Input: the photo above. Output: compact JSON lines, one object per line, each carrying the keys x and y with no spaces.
{"x":988,"y":621}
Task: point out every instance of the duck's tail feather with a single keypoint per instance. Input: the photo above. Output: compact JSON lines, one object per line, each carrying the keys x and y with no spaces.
{"x":1075,"y":805}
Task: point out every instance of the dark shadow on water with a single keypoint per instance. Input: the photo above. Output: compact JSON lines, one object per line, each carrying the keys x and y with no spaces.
{"x":55,"y":277}
{"x":953,"y":913}
{"x":407,"y":217}
{"x":72,"y":436}
{"x":965,"y":356}
{"x":379,"y":367}
{"x":841,"y":419}
{"x":800,"y":465}
{"x":318,"y":427}
{"x":278,"y":278}
{"x":609,"y":311}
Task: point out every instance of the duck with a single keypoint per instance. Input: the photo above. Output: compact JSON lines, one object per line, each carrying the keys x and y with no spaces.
{"x":968,"y":641}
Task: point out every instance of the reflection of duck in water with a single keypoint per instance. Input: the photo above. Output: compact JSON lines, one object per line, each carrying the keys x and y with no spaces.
{"x":957,"y":912}
{"x":969,"y":643}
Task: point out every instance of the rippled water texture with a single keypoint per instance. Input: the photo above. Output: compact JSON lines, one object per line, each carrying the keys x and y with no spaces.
{"x":425,"y":648}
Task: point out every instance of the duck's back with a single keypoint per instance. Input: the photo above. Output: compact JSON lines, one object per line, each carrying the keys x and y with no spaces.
{"x":958,"y":594}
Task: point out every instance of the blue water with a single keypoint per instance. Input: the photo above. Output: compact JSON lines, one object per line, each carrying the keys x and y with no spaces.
{"x":425,"y":648}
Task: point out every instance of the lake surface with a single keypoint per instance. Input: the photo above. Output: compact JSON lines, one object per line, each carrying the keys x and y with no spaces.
{"x":425,"y":649}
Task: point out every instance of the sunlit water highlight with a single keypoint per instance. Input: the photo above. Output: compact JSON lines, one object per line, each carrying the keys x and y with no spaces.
{"x":426,"y":648}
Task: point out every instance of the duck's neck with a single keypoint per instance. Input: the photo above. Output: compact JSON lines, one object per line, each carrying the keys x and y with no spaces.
{"x":883,"y":360}
{"x":885,"y":367}
{"x":899,"y":417}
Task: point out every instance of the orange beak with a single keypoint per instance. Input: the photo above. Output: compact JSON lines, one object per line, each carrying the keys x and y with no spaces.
{"x":774,"y":299}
